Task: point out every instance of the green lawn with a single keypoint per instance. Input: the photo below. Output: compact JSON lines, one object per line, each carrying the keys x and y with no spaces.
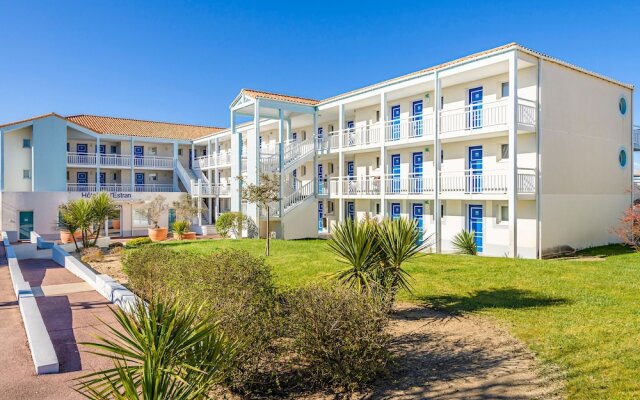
{"x":583,"y":316}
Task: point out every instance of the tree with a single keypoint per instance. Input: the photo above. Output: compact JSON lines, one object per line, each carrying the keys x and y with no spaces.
{"x":263,"y":194}
{"x":155,"y":209}
{"x":87,"y":216}
{"x":102,"y":207}
{"x":628,"y":230}
{"x":185,"y":210}
{"x":376,"y":252}
{"x":162,"y":350}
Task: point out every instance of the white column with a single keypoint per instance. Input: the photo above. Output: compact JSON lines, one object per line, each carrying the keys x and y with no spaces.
{"x":340,"y":163}
{"x":236,"y":162}
{"x":133,"y":172}
{"x":208,"y":153}
{"x":98,"y":160}
{"x":281,"y":136}
{"x":383,"y":155}
{"x":253,"y":160}
{"x":315,"y":153}
{"x":176,"y":161}
{"x":199,"y":201}
{"x":193,"y":154}
{"x":1,"y":160}
{"x":512,"y":184}
{"x":437,"y":160}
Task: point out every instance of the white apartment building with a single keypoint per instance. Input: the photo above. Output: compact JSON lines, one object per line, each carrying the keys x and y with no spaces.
{"x":530,"y":152}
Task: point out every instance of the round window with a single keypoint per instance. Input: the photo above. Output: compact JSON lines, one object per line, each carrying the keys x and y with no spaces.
{"x":622,"y":105}
{"x":622,"y":158}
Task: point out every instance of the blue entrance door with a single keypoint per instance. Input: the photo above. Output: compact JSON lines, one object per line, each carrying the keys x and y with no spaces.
{"x":294,"y":136}
{"x":395,"y":173}
{"x":475,"y":170}
{"x":417,"y":118}
{"x":139,"y":178}
{"x":294,"y":174}
{"x":103,"y":149}
{"x":351,"y":210}
{"x":320,"y":215}
{"x":138,"y":153}
{"x":395,"y":122}
{"x":320,"y":135}
{"x":320,"y":179}
{"x":26,"y":224}
{"x":103,"y":178}
{"x":475,"y":108}
{"x":417,"y":210}
{"x":475,"y":224}
{"x":82,"y":148}
{"x":82,"y":178}
{"x":395,"y":211}
{"x":350,"y":133}
{"x":416,"y":173}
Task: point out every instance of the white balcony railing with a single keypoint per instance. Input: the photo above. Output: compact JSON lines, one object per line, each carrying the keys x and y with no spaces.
{"x":206,"y":189}
{"x":361,"y":185}
{"x":118,"y":187}
{"x":409,"y":128}
{"x":153,"y":162}
{"x":115,"y":160}
{"x":118,"y":160}
{"x":81,"y":159}
{"x":214,"y":160}
{"x":361,"y":135}
{"x":484,"y":181}
{"x":414,"y":184}
{"x":328,"y":141}
{"x":486,"y":114}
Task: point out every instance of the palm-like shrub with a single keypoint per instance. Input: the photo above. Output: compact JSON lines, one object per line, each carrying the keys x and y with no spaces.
{"x":465,"y":243}
{"x":159,"y":351}
{"x":87,"y":216}
{"x":375,"y":253}
{"x":180,"y":228}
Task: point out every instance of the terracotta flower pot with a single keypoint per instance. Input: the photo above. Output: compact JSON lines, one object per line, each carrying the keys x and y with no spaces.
{"x":66,"y":237}
{"x":158,"y":234}
{"x":185,"y":236}
{"x":115,"y":224}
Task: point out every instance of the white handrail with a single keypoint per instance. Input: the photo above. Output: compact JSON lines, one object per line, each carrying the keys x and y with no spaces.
{"x":417,"y":126}
{"x":119,"y":187}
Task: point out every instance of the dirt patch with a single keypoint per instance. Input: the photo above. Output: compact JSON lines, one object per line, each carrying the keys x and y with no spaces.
{"x":110,"y":265}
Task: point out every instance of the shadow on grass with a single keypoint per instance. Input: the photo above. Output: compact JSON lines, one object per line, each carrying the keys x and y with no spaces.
{"x":606,"y":251}
{"x":507,"y":298}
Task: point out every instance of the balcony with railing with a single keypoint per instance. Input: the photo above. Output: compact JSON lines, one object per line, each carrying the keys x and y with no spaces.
{"x":119,"y":187}
{"x":417,"y":127}
{"x":414,"y":184}
{"x":199,"y":189}
{"x":222,"y":159}
{"x":486,"y":116}
{"x":119,"y":161}
{"x":473,"y":182}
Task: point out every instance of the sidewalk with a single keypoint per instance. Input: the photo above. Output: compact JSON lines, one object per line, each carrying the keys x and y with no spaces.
{"x":70,"y":309}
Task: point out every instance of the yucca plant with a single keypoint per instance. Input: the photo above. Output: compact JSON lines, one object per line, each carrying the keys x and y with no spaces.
{"x":78,"y":214}
{"x":375,"y":253}
{"x":465,"y":243}
{"x":102,"y":207}
{"x":162,"y":350}
{"x":180,"y":228}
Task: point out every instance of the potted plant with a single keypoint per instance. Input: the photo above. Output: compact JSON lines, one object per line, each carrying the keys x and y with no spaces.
{"x":181,"y":231}
{"x":154,"y":211}
{"x":185,"y":213}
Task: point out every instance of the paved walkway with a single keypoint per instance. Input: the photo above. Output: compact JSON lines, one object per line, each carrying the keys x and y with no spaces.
{"x":70,"y":309}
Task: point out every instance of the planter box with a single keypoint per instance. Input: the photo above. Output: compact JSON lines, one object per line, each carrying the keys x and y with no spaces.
{"x":158,"y":235}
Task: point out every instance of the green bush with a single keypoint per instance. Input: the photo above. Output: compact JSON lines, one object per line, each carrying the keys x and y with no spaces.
{"x":465,"y":243}
{"x":231,"y":224}
{"x":237,"y":290}
{"x":137,"y":242}
{"x":337,"y":337}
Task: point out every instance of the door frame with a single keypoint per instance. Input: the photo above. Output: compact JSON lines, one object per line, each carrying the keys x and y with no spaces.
{"x":28,"y":235}
{"x":417,"y":118}
{"x":395,"y":122}
{"x":395,"y":176}
{"x":320,"y":215}
{"x":417,"y":186}
{"x":475,"y":108}
{"x":420,"y":224}
{"x":351,"y":210}
{"x":395,"y":215}
{"x":478,"y":236}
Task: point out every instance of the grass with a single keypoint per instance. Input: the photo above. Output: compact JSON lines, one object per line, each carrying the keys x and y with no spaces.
{"x":581,"y":315}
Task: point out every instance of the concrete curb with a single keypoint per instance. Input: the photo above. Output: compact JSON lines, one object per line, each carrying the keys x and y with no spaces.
{"x":43,"y":354}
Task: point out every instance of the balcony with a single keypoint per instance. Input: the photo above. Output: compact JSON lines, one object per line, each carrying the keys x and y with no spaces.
{"x":119,"y":161}
{"x":396,"y":185}
{"x":207,"y":189}
{"x":222,"y":159}
{"x":486,"y":116}
{"x":118,"y":187}
{"x":472,"y":182}
{"x":416,"y":127}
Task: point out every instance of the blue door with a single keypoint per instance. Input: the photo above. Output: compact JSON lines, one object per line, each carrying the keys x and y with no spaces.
{"x":320,"y":179}
{"x":475,"y":105}
{"x":294,"y":136}
{"x":103,"y":149}
{"x":416,"y":173}
{"x":82,"y":179}
{"x":320,"y":135}
{"x":351,"y":210}
{"x":103,"y":178}
{"x":139,"y":178}
{"x":395,"y":122}
{"x":417,"y":210}
{"x":320,"y":215}
{"x":26,"y":224}
{"x":395,"y":211}
{"x":350,"y":170}
{"x":474,"y":184}
{"x":395,"y":173}
{"x":138,"y":153}
{"x":475,"y":224}
{"x":351,"y":131}
{"x":417,"y":118}
{"x":82,"y":148}
{"x":294,"y":174}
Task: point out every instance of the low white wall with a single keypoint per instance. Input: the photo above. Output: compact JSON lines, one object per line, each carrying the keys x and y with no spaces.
{"x":43,"y":354}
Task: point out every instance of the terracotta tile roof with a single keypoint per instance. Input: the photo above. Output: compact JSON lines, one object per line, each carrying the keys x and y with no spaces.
{"x":135,"y":127}
{"x":258,"y":94}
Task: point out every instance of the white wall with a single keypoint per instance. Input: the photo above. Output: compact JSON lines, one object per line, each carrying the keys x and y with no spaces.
{"x":16,"y":160}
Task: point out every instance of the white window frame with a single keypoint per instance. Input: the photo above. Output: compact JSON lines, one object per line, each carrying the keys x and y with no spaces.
{"x":499,"y":219}
{"x":26,"y":174}
{"x":137,"y":218}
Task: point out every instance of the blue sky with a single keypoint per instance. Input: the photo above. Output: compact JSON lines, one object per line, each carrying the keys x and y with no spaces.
{"x":186,"y":61}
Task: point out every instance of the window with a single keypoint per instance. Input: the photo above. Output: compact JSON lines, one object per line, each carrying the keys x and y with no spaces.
{"x":503,"y":213}
{"x":304,"y":135}
{"x":330,"y":128}
{"x":179,"y":152}
{"x":26,"y":143}
{"x":504,"y":151}
{"x":442,"y":211}
{"x":622,"y":105}
{"x":331,"y":168}
{"x":67,"y":176}
{"x":377,"y":162}
{"x":68,"y":146}
{"x":622,"y":158}
{"x":140,"y":219}
{"x":378,"y":208}
{"x":505,"y":89}
{"x":303,"y":170}
{"x":153,"y":177}
{"x":441,"y":155}
{"x":378,"y":116}
{"x":330,"y":206}
{"x":154,"y":151}
{"x":114,"y":149}
{"x":26,"y":173}
{"x":115,"y":176}
{"x":441,"y":102}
